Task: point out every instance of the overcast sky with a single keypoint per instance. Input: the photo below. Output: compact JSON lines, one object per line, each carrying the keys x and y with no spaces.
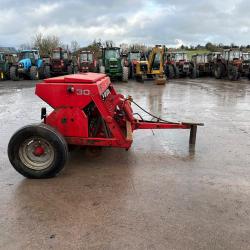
{"x":170,"y":22}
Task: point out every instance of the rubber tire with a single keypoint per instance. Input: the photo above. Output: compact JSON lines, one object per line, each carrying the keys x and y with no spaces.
{"x":194,"y":73}
{"x":76,"y":70}
{"x":177,"y":72}
{"x":197,"y":73}
{"x":102,"y":69}
{"x":69,"y":70}
{"x":34,"y":73}
{"x":13,"y":73}
{"x":46,"y":72}
{"x":50,"y":134}
{"x":218,"y":71}
{"x":125,"y":74}
{"x":170,"y":71}
{"x":233,"y":73}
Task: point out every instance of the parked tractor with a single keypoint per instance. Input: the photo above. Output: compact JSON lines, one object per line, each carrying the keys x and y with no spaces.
{"x":153,"y":68}
{"x":30,"y":66}
{"x":201,"y":64}
{"x":229,"y":65}
{"x":59,"y":63}
{"x":171,"y":71}
{"x":113,"y":65}
{"x":183,"y":66}
{"x":212,"y":59}
{"x":246,"y":64}
{"x":6,"y":61}
{"x":86,"y":62}
{"x":134,"y":57}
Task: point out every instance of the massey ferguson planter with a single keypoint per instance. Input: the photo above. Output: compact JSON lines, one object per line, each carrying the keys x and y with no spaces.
{"x":87,"y":112}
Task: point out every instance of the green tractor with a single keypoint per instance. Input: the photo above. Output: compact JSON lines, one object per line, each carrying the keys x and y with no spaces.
{"x":113,"y":64}
{"x":6,"y":61}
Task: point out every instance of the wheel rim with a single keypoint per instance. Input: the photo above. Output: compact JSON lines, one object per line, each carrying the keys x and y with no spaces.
{"x":36,"y":153}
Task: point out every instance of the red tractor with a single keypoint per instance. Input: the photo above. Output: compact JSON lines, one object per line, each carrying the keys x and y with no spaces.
{"x":60,"y":63}
{"x":246,"y":64}
{"x":86,"y":62}
{"x":134,"y":57}
{"x":171,"y":71}
{"x":87,"y":112}
{"x":183,"y":66}
{"x":229,"y":64}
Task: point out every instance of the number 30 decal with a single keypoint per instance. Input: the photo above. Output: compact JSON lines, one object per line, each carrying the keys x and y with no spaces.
{"x":82,"y":91}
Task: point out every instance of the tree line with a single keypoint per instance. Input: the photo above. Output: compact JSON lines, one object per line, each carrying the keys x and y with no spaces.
{"x":46,"y":44}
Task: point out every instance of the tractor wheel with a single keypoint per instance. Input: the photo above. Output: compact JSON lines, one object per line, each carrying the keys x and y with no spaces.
{"x":46,"y":72}
{"x":13,"y":73}
{"x":170,"y":71}
{"x":233,"y":73}
{"x":194,"y":72}
{"x":76,"y":70}
{"x":38,"y":151}
{"x":102,"y":69}
{"x":139,"y":78}
{"x":177,"y":72}
{"x":34,"y":75}
{"x":218,"y":70}
{"x":125,"y":74}
{"x":197,"y":73}
{"x":248,"y":76}
{"x":69,"y":70}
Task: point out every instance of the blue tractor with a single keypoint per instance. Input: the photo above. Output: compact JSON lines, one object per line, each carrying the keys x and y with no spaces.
{"x":30,"y":65}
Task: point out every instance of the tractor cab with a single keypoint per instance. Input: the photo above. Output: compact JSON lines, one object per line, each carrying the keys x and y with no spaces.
{"x":111,"y":58}
{"x":180,"y":57}
{"x":200,"y":59}
{"x":232,"y":55}
{"x":60,"y":62}
{"x":2,"y":57}
{"x":87,"y":62}
{"x":6,"y":61}
{"x":112,"y":63}
{"x":134,"y":56}
{"x":182,"y":64}
{"x":214,"y":57}
{"x":170,"y":58}
{"x":29,"y":55}
{"x":2,"y":65}
{"x":246,"y":56}
{"x":246,"y":64}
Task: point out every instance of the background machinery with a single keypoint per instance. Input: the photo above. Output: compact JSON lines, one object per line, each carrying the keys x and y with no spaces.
{"x":153,"y":68}
{"x":134,"y":56}
{"x":30,"y":65}
{"x":113,"y":65}
{"x":59,"y":63}
{"x":171,"y":71}
{"x":201,"y":64}
{"x":6,"y":61}
{"x":246,"y":64}
{"x":183,"y":66}
{"x":229,"y":64}
{"x":87,"y":112}
{"x":86,"y":62}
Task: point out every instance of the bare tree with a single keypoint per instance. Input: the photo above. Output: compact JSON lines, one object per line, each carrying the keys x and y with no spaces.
{"x":74,"y":46}
{"x":24,"y":46}
{"x":46,"y":44}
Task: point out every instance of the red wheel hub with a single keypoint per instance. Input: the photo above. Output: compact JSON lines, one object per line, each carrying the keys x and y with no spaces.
{"x":38,"y":151}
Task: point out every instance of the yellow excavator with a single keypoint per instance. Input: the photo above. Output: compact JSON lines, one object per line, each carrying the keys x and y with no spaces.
{"x":153,"y":67}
